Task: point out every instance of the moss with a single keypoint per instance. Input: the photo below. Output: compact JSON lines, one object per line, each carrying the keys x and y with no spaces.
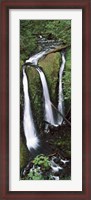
{"x":67,"y":80}
{"x":51,"y":66}
{"x":24,"y":154}
{"x":35,"y":93}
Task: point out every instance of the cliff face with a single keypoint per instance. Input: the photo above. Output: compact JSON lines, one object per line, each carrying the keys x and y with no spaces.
{"x":50,"y":65}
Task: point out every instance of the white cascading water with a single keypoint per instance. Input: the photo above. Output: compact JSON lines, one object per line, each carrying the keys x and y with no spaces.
{"x":60,"y":95}
{"x":47,"y":103}
{"x":48,"y":108}
{"x":29,"y":128}
{"x":34,"y":59}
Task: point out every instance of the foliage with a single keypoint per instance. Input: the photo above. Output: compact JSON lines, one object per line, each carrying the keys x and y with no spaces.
{"x":30,"y":30}
{"x":42,"y":161}
{"x":60,"y":29}
{"x":27,"y":39}
{"x":40,"y":170}
{"x":35,"y":175}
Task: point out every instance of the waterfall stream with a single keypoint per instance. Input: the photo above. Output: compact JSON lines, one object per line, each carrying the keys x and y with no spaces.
{"x":34,"y":59}
{"x":30,"y":131}
{"x":60,"y":95}
{"x":47,"y":103}
{"x":29,"y":128}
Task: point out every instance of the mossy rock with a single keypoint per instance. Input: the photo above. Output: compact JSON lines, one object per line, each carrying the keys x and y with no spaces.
{"x":24,"y":154}
{"x":51,"y":65}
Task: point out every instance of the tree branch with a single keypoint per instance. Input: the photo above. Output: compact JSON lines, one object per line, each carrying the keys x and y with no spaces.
{"x":68,"y":122}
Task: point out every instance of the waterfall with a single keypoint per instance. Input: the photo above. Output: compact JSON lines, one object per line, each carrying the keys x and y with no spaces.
{"x":47,"y":103}
{"x":29,"y":128}
{"x":60,"y":95}
{"x":34,"y":59}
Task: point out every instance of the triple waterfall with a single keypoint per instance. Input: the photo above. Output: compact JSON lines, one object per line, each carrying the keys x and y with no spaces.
{"x":32,"y":140}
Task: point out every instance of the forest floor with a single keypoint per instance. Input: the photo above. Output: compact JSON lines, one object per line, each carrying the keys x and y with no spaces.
{"x":56,"y":146}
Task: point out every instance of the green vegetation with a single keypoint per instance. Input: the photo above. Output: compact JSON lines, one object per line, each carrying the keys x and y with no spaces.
{"x":35,"y":175}
{"x":41,"y":167}
{"x":50,"y":29}
{"x":35,"y":92}
{"x":30,"y":30}
{"x":64,"y":143}
{"x":51,"y":65}
{"x":42,"y":161}
{"x":67,"y":81}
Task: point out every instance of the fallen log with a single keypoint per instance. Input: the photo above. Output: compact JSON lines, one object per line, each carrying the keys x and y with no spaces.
{"x":57,"y":49}
{"x":68,"y":122}
{"x":69,"y":110}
